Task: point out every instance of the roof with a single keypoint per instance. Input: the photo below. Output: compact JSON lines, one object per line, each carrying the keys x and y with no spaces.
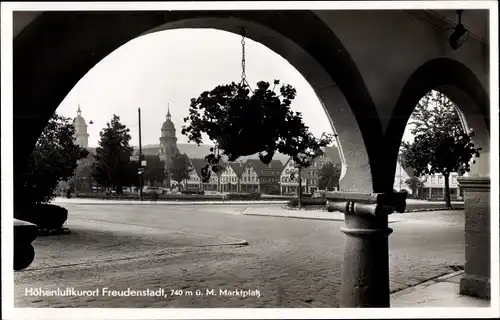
{"x":198,"y":164}
{"x":168,"y":125}
{"x":237,"y":168}
{"x":193,"y":151}
{"x":272,"y":169}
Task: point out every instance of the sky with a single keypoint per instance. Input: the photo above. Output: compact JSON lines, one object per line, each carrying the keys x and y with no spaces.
{"x":167,"y":69}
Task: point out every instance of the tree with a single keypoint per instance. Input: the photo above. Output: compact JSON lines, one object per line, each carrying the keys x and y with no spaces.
{"x":303,"y":160}
{"x":414,"y":183}
{"x":241,"y":121}
{"x":441,"y":145}
{"x":180,"y":167}
{"x":82,"y":179}
{"x":155,"y":169}
{"x":54,"y":158}
{"x":329,"y":176}
{"x":113,"y":167}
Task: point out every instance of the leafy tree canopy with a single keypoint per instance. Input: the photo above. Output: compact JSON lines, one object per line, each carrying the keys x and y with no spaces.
{"x":441,"y":145}
{"x":54,"y":158}
{"x":414,"y":183}
{"x":180,"y":167}
{"x":112,"y":162}
{"x":155,"y":169}
{"x":83,"y":173}
{"x":329,"y":176}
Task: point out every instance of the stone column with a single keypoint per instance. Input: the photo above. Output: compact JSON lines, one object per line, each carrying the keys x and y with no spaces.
{"x":365,"y":271}
{"x":476,"y":279}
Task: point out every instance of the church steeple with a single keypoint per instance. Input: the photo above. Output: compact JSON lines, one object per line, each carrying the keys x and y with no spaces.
{"x":169,"y":117}
{"x":81,"y":135}
{"x":168,"y":143}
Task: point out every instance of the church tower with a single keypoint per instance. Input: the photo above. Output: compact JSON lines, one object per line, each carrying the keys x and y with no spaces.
{"x":81,"y":136}
{"x":168,"y":142}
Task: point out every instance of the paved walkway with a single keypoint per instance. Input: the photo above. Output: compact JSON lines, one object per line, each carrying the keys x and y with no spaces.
{"x":131,"y":224}
{"x":440,"y":292}
{"x":304,"y":214}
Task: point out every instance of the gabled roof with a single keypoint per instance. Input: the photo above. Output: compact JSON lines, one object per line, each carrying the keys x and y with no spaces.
{"x":271,"y":170}
{"x":194,"y":151}
{"x":332,"y":154}
{"x":198,"y":164}
{"x":237,"y":168}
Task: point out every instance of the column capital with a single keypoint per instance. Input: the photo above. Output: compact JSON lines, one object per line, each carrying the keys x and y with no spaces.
{"x":366,"y":204}
{"x":474,"y":182}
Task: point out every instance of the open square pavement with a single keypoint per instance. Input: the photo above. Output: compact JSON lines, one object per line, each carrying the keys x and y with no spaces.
{"x":289,"y":262}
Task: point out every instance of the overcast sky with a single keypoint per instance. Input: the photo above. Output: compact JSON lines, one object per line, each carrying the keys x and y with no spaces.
{"x":171,"y":67}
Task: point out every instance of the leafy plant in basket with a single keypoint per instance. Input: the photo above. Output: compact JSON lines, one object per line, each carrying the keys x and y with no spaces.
{"x":241,"y":122}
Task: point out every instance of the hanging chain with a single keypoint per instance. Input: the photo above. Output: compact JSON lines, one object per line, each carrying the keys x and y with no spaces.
{"x":243,"y":74}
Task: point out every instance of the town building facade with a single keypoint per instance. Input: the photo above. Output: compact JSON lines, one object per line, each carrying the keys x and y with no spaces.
{"x":433,"y":185}
{"x":195,"y":177}
{"x":261,"y":178}
{"x":289,"y":182}
{"x":231,"y":177}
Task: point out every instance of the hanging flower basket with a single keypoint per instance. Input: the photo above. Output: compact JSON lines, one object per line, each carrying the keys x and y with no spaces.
{"x":242,"y":122}
{"x":238,"y":121}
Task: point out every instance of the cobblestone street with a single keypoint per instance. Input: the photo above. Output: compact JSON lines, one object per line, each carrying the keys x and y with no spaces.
{"x":291,"y":262}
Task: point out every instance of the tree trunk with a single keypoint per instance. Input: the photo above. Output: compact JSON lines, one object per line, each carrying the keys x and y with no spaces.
{"x":447,"y":190}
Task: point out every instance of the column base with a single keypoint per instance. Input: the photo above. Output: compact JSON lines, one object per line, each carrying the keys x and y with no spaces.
{"x":476,"y":279}
{"x":475,"y":286}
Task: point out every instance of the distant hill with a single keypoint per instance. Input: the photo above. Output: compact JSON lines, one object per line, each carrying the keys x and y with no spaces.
{"x":194,"y":151}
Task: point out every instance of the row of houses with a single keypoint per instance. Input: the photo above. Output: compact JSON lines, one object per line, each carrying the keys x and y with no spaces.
{"x":433,"y":185}
{"x":254,"y":176}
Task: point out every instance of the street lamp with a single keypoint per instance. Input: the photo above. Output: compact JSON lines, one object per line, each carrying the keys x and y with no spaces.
{"x":141,"y":169}
{"x":460,"y":35}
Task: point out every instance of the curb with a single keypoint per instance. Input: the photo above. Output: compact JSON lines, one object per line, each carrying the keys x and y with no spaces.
{"x":450,"y":275}
{"x":406,"y":211}
{"x":427,"y":283}
{"x":291,"y":217}
{"x":239,"y":243}
{"x":301,"y":217}
{"x":134,"y":202}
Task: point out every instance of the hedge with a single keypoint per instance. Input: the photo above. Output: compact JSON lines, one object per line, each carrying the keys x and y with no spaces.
{"x":201,"y":192}
{"x":308,"y":202}
{"x":178,"y":197}
{"x":243,"y":196}
{"x":45,"y":216}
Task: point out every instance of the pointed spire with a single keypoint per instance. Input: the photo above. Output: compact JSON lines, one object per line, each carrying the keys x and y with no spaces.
{"x":168,"y":112}
{"x":79,"y":112}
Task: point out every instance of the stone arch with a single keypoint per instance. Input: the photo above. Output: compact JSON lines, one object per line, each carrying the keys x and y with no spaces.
{"x":54,"y":51}
{"x":455,"y":80}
